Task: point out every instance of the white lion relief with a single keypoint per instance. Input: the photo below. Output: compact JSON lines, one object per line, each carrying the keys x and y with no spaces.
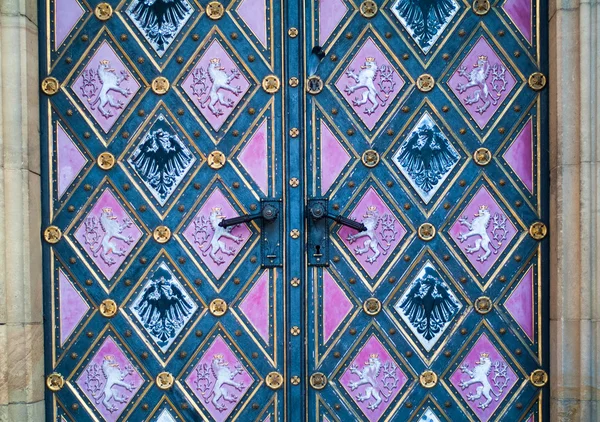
{"x":480,"y":375}
{"x":113,"y":377}
{"x":209,"y":228}
{"x":478,"y":227}
{"x":366,"y":80}
{"x":209,"y":90}
{"x":214,"y":380}
{"x":478,"y":77}
{"x":383,"y":238}
{"x":109,"y":81}
{"x":104,"y":243}
{"x":368,"y":377}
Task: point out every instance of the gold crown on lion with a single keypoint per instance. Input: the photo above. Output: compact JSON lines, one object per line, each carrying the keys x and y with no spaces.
{"x":374,"y":355}
{"x":483,"y":58}
{"x":109,"y":357}
{"x":104,"y":61}
{"x":370,"y":59}
{"x":484,"y":355}
{"x":216,"y":209}
{"x":215,"y":60}
{"x":218,"y":356}
{"x":483,"y":207}
{"x":371,"y":208}
{"x":107,"y":210}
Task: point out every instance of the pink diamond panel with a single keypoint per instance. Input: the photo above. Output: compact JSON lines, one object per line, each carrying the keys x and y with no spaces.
{"x":372,"y":248}
{"x":370,"y":83}
{"x":66,"y":15}
{"x":216,"y":85}
{"x":72,"y":307}
{"x":254,"y":157}
{"x":520,"y":303}
{"x":254,"y":14}
{"x":108,"y":234}
{"x":105,"y":87}
{"x":520,"y":12}
{"x":519,"y":155}
{"x":383,"y":376}
{"x":255,"y":306}
{"x":483,"y":231}
{"x":336,"y":306}
{"x":69,"y":160}
{"x":482,"y":82}
{"x":484,"y":379}
{"x":110,"y":381}
{"x":331,"y":13}
{"x":219,"y":380}
{"x":217,"y":247}
{"x":334,"y":158}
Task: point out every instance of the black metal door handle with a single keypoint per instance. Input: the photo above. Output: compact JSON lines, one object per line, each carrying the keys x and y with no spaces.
{"x":268,"y":213}
{"x":317,"y":211}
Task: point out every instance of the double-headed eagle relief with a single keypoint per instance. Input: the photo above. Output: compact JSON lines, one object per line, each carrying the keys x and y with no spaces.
{"x":488,"y":80}
{"x":369,"y":74}
{"x":211,"y":85}
{"x":100,"y":86}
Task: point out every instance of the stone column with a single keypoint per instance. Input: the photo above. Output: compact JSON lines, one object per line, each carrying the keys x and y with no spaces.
{"x":21,"y":327}
{"x":574,"y":209}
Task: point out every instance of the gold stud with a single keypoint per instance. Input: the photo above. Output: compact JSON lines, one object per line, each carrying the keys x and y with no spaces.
{"x":160,"y":85}
{"x":370,"y":158}
{"x":318,"y":380}
{"x":108,"y":308}
{"x":50,"y":85}
{"x":165,"y":380}
{"x":428,"y":379}
{"x":483,"y":305}
{"x":372,"y":306}
{"x":216,"y":160}
{"x":538,"y":378}
{"x":294,"y":182}
{"x":481,"y":7}
{"x":426,"y":232}
{"x":294,"y":82}
{"x":271,"y":84}
{"x":218,"y":307}
{"x":106,"y":161}
{"x":295,"y":282}
{"x":215,"y":10}
{"x":295,"y":234}
{"x":103,"y":11}
{"x":293,"y":32}
{"x":314,"y":85}
{"x":295,"y":330}
{"x":425,"y":82}
{"x":162,"y":234}
{"x":295,"y":380}
{"x":538,"y":230}
{"x":368,"y":9}
{"x":537,"y":81}
{"x":274,"y":380}
{"x":52,"y":234}
{"x":55,"y":382}
{"x":482,"y":156}
{"x":294,"y":132}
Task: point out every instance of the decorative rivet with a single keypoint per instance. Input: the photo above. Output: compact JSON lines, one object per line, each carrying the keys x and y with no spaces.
{"x":145,"y":406}
{"x":218,"y":307}
{"x":294,"y":182}
{"x":428,"y":379}
{"x":74,"y":355}
{"x":198,"y":333}
{"x":447,"y":403}
{"x":181,"y":208}
{"x":293,"y":32}
{"x":185,"y":406}
{"x":389,"y":183}
{"x":295,"y":380}
{"x":253,"y":207}
{"x":501,"y":130}
{"x":127,"y":333}
{"x":106,"y":161}
{"x":372,"y":306}
{"x":295,"y":233}
{"x":350,"y":132}
{"x":251,"y":111}
{"x":271,"y":84}
{"x":517,"y":54}
{"x":502,"y":331}
{"x":165,"y":380}
{"x":237,"y":333}
{"x":195,"y":37}
{"x":336,"y":258}
{"x":392,"y":331}
{"x":234,"y":36}
{"x":370,"y":158}
{"x":333,"y":57}
{"x":390,"y":132}
{"x":179,"y":59}
{"x":84,"y":38}
{"x":254,"y":355}
{"x":294,"y":82}
{"x":75,"y":406}
{"x":142,"y":208}
{"x":405,"y":56}
{"x":352,"y":280}
{"x":482,"y":156}
{"x":502,"y":182}
{"x":52,"y":234}
{"x":141,"y":60}
{"x":538,"y":230}
{"x":501,"y":33}
{"x":294,"y":132}
{"x":295,"y":282}
{"x":349,"y":35}
{"x":518,"y":352}
{"x":160,"y":85}
{"x":462,"y":130}
{"x":446,"y":206}
{"x":481,"y":7}
{"x":425,"y":82}
{"x":392,"y":280}
{"x":388,"y":35}
{"x":407,"y":206}
{"x":538,"y":378}
{"x":68,"y":60}
{"x":447,"y":353}
{"x":502,"y":278}
{"x":108,"y":308}
{"x":103,"y":11}
{"x":55,"y":382}
{"x":352,"y":331}
{"x":216,"y":160}
{"x":426,"y":232}
{"x":463,"y":331}
{"x":445,"y":56}
{"x":445,"y":109}
{"x":368,"y":8}
{"x":408,"y":405}
{"x":483,"y":305}
{"x":50,"y":85}
{"x":162,"y":234}
{"x":405,"y":109}
{"x":537,"y":81}
{"x":72,"y":260}
{"x":462,"y":183}
{"x":274,"y":380}
{"x":334,"y":111}
{"x":318,"y":380}
{"x":351,"y":184}
{"x":517,"y":108}
{"x":337,"y":355}
{"x":295,"y":330}
{"x":251,"y":58}
{"x":253,"y":259}
{"x":314,"y":85}
{"x":215,"y":10}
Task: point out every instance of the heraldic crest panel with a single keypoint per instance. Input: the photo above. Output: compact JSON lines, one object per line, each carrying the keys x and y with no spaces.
{"x":303,"y":210}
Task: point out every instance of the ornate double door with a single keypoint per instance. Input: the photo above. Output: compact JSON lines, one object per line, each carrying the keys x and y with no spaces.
{"x":324,"y":210}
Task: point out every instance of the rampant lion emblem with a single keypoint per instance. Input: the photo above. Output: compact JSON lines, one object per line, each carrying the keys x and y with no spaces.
{"x":212,"y":381}
{"x":478,"y":77}
{"x":109,"y":81}
{"x":387,"y":234}
{"x":104,"y":244}
{"x":113,"y":377}
{"x":209,"y":92}
{"x":209,"y":228}
{"x":478,"y":227}
{"x":479,"y":375}
{"x":366,"y":80}
{"x":368,"y":377}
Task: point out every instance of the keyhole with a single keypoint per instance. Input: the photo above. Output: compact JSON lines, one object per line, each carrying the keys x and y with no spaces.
{"x":318,"y":253}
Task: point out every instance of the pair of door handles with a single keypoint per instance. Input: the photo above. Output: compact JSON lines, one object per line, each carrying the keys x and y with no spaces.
{"x":317,"y":214}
